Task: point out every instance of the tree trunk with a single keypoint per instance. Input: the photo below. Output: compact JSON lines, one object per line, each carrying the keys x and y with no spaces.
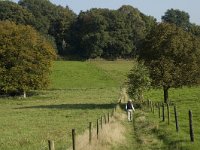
{"x":165,"y":90}
{"x":24,"y":94}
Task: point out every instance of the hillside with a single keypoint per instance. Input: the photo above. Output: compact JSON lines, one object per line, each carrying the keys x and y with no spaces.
{"x":80,"y":92}
{"x":89,"y":74}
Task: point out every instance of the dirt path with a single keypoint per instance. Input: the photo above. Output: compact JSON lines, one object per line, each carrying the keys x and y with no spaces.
{"x":130,"y":136}
{"x":140,"y":134}
{"x":120,"y":134}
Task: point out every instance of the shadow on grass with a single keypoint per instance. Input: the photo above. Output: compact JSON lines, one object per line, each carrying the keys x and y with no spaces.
{"x":72,"y":106}
{"x":170,"y":142}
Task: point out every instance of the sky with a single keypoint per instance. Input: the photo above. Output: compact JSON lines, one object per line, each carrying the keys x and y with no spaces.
{"x":155,"y":8}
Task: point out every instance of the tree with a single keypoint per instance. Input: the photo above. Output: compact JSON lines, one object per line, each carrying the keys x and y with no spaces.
{"x":138,"y":80}
{"x":16,"y":13}
{"x":177,"y":17}
{"x":51,"y":19}
{"x":90,"y":30}
{"x":110,"y":34}
{"x":194,"y":29}
{"x":181,"y":19}
{"x":25,"y":59}
{"x":173,"y":57}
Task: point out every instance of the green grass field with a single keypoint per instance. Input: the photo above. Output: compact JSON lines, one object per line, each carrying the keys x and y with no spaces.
{"x":80,"y":92}
{"x":83,"y":91}
{"x":184,"y":99}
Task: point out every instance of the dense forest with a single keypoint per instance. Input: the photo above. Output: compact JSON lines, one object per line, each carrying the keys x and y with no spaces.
{"x":94,"y":33}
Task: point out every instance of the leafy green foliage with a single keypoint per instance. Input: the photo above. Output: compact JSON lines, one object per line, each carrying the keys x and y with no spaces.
{"x":25,"y":58}
{"x":110,"y":33}
{"x":172,"y":56}
{"x":51,"y":19}
{"x":194,"y":29}
{"x":138,"y":80}
{"x":14,"y":12}
{"x":181,"y":19}
{"x":177,"y":17}
{"x":95,"y":33}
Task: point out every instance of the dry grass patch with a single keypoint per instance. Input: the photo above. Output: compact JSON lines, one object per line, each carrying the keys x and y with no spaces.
{"x":110,"y":135}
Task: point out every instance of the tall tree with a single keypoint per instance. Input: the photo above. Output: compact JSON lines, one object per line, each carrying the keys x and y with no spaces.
{"x":173,"y":57}
{"x":181,"y":19}
{"x":110,"y":33}
{"x":90,"y":29}
{"x":51,"y":19}
{"x":14,"y":12}
{"x":177,"y":17}
{"x":25,"y":59}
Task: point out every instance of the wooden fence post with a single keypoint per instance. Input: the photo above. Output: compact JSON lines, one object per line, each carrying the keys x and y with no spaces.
{"x":97,"y":128}
{"x":108,"y":117}
{"x":168,"y":113}
{"x":74,"y":139}
{"x":176,"y":119}
{"x":191,"y":127}
{"x":163,"y":112}
{"x":51,"y":145}
{"x":90,"y":132}
{"x":105,"y":119}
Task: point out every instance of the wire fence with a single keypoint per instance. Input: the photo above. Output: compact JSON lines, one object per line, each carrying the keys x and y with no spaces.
{"x":165,"y":114}
{"x":94,"y":132}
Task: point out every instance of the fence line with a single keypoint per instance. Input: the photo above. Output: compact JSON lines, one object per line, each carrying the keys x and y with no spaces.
{"x":99,"y":125}
{"x":149,"y":105}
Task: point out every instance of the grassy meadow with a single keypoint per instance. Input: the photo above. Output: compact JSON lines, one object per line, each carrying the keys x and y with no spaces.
{"x":185,"y":99}
{"x":80,"y":92}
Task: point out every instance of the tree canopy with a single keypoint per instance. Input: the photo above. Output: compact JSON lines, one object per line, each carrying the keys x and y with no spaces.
{"x":173,"y":57}
{"x":181,"y":19}
{"x":51,"y":19}
{"x":94,"y":33}
{"x":177,"y":17}
{"x":16,"y":13}
{"x":138,"y":81}
{"x":111,"y":33}
{"x":25,"y":58}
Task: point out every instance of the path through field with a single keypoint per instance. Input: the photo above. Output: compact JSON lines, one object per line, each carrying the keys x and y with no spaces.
{"x":140,"y":133}
{"x":120,"y":134}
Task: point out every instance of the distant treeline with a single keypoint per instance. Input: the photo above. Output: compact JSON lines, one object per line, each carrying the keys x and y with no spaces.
{"x":94,"y":33}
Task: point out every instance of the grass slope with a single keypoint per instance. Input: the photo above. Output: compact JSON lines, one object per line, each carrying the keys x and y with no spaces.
{"x":74,"y":74}
{"x":80,"y":92}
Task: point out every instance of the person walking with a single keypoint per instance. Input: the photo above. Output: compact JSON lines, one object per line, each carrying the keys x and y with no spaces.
{"x":129,"y":109}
